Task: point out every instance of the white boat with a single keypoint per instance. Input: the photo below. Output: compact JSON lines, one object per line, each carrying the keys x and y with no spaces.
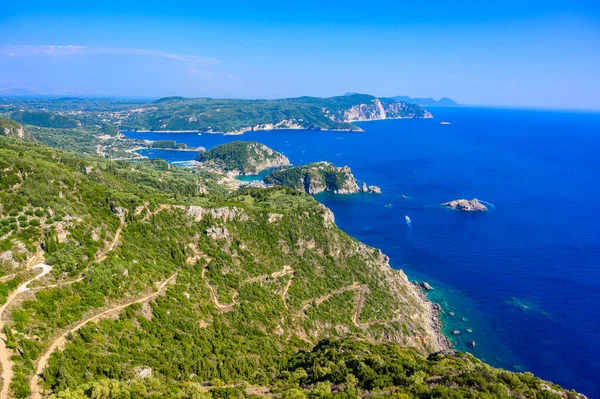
{"x":407,"y":219}
{"x":444,"y":123}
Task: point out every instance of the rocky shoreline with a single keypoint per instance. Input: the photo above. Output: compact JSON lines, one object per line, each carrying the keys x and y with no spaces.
{"x":429,"y":318}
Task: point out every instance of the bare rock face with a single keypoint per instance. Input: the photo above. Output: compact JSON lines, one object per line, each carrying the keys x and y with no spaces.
{"x":370,"y":189}
{"x":217,"y":232}
{"x":10,"y":128}
{"x":328,"y":217}
{"x":374,"y":190}
{"x":143,"y":372}
{"x":466,"y":205}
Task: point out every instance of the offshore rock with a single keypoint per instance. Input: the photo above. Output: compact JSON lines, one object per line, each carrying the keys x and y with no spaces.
{"x":466,"y":205}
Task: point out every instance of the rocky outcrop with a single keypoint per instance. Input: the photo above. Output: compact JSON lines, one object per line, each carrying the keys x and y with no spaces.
{"x":466,"y":205}
{"x":370,"y":189}
{"x":10,"y":128}
{"x":374,"y":190}
{"x":315,"y":178}
{"x":217,"y":232}
{"x":291,"y":124}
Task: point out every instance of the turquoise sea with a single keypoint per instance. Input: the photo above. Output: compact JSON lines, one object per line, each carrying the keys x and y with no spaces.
{"x":525,"y":276}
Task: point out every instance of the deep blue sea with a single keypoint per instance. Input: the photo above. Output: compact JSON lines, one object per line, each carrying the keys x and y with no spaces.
{"x":525,"y":276}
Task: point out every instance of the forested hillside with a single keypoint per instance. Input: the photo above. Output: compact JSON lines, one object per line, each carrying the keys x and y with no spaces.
{"x":209,"y":114}
{"x":145,"y":280}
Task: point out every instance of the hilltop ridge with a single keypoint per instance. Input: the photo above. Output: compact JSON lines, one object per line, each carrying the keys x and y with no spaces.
{"x":229,"y":116}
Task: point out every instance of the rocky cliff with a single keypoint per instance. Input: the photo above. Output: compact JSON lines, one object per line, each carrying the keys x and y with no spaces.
{"x":378,"y":109}
{"x":315,"y":178}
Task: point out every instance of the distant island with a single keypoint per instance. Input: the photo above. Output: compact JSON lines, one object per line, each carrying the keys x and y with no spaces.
{"x":427,"y":101}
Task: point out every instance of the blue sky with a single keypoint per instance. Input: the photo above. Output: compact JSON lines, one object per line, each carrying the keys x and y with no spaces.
{"x":510,"y":53}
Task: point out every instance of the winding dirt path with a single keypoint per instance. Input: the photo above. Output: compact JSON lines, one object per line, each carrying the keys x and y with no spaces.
{"x":215,"y":297}
{"x":284,"y":292}
{"x":60,"y":341}
{"x":113,"y":243}
{"x":310,"y":302}
{"x":161,"y":208}
{"x":359,"y":305}
{"x":280,"y":273}
{"x":7,"y":372}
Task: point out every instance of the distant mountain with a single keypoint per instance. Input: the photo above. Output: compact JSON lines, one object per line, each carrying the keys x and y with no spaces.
{"x":428,"y":101}
{"x":16,"y":91}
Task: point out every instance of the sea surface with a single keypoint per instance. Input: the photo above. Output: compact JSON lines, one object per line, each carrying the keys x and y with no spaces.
{"x":525,"y":276}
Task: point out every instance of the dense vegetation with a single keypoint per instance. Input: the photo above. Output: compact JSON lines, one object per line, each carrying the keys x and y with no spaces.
{"x":44,"y":119}
{"x":260,"y":278}
{"x":314,"y":178}
{"x":168,"y":144}
{"x":204,"y":114}
{"x":244,"y":157}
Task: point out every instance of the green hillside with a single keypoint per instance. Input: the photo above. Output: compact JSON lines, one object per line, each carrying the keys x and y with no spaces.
{"x":150,"y":281}
{"x":211,"y":115}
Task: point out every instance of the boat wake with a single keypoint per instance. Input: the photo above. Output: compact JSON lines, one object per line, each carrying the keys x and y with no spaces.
{"x":409,"y":227}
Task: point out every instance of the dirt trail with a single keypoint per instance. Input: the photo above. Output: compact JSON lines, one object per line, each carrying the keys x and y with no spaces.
{"x":113,"y":243}
{"x":36,"y":289}
{"x":161,"y":208}
{"x":59,"y":342}
{"x":7,"y":372}
{"x":309,"y":302}
{"x":280,"y":273}
{"x":213,"y":294}
{"x":103,"y":255}
{"x":359,"y":306}
{"x":284,"y":292}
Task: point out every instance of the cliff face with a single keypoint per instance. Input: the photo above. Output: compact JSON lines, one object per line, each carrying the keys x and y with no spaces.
{"x":378,"y":109}
{"x":263,"y":158}
{"x":315,"y":178}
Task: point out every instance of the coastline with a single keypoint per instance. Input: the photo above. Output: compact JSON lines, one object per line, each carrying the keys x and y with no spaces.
{"x":238,"y":133}
{"x":266,"y":127}
{"x":189,"y":149}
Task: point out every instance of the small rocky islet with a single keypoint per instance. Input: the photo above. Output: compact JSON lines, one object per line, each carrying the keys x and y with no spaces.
{"x":465,"y":205}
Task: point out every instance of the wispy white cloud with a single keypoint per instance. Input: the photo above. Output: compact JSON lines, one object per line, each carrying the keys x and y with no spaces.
{"x":69,"y":50}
